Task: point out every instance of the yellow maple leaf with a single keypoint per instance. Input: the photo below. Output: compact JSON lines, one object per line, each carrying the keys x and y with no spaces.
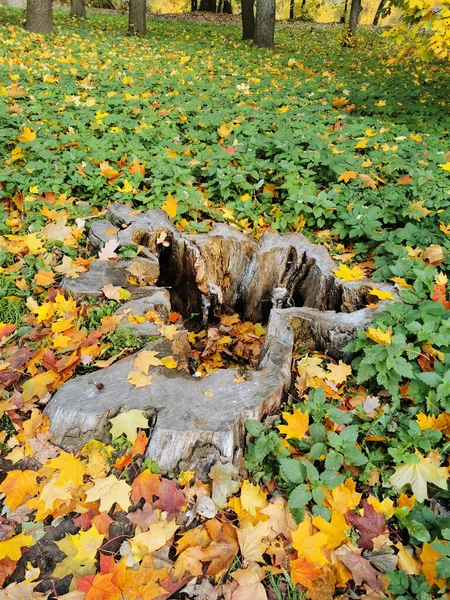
{"x":335,"y":530}
{"x":70,"y":467}
{"x":168,"y":331}
{"x":170,"y":206}
{"x":381,"y":294}
{"x":224,"y":131}
{"x":343,"y":497}
{"x":418,"y":474}
{"x":12,"y":548}
{"x":310,"y":545}
{"x":44,"y":278}
{"x":127,"y":423}
{"x":297,"y":424}
{"x":347,"y":274}
{"x":445,"y":166}
{"x":156,"y":537}
{"x":127,"y":80}
{"x":444,"y":228}
{"x":337,"y":374}
{"x":361,"y":144}
{"x":347,"y":176}
{"x":379,"y":336}
{"x":139,"y":379}
{"x":425,"y":421}
{"x":110,"y":491}
{"x":429,"y":558}
{"x":28,"y":135}
{"x":17,"y":486}
{"x":169,"y":362}
{"x":386,"y":507}
{"x":406,"y":560}
{"x":38,"y":386}
{"x":127,"y":188}
{"x":87,"y":543}
{"x":146,"y":359}
{"x":402,"y":283}
{"x":252,"y":498}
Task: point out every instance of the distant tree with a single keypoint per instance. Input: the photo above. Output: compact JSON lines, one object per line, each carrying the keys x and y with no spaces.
{"x":248,"y":19}
{"x":379,"y":12}
{"x":208,"y":5}
{"x":39,"y":16}
{"x":291,"y":9}
{"x":194,"y":5}
{"x":265,"y":23}
{"x":78,"y":9}
{"x":355,"y":12}
{"x":137,"y":17}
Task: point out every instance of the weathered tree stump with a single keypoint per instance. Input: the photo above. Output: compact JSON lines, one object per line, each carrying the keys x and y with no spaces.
{"x":283,"y":280}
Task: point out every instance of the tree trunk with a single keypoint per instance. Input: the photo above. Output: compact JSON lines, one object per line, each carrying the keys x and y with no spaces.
{"x":291,"y":9}
{"x":208,"y":5}
{"x":194,"y":5}
{"x":39,"y":16}
{"x":227,"y":8}
{"x":136,"y":17}
{"x":355,"y":11}
{"x":77,"y":9}
{"x":379,"y":11}
{"x":344,"y":16}
{"x":248,"y":19}
{"x":265,"y":23}
{"x":303,"y":3}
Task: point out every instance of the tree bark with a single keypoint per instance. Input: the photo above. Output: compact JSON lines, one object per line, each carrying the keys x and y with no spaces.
{"x":291,"y":10}
{"x":355,"y":11}
{"x":265,"y":23}
{"x":248,"y":19}
{"x":194,"y":5}
{"x":379,"y":11}
{"x":136,"y":17}
{"x":208,"y":5}
{"x":39,"y":16}
{"x":78,"y":9}
{"x":344,"y":16}
{"x":227,"y":8}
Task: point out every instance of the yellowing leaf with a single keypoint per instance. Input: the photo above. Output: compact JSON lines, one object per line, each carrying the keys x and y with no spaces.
{"x":70,"y":467}
{"x":252,"y":498}
{"x":139,"y":379}
{"x":168,"y":331}
{"x":379,"y":336}
{"x":28,"y":135}
{"x":336,"y":529}
{"x":12,"y":548}
{"x":127,"y":423}
{"x":381,"y":295}
{"x":310,"y":545}
{"x":17,"y":486}
{"x":87,"y":543}
{"x":337,"y":374}
{"x":110,"y":490}
{"x":224,"y":131}
{"x":297,"y":424}
{"x":417,"y":475}
{"x":44,"y":278}
{"x":127,"y":80}
{"x":347,"y":176}
{"x":347,"y":274}
{"x":170,"y":206}
{"x":361,"y":144}
{"x":445,"y":166}
{"x":157,"y":536}
{"x":169,"y":362}
{"x":146,"y":359}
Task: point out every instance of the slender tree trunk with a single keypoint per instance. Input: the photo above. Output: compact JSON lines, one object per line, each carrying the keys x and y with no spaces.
{"x":291,"y":9}
{"x":248,"y":19}
{"x":194,"y":5}
{"x":136,"y":17}
{"x":379,"y":11}
{"x":39,"y":16}
{"x":208,"y":5}
{"x":303,"y":3}
{"x":344,"y":16}
{"x":355,"y":11}
{"x":265,"y":23}
{"x":77,"y":9}
{"x":227,"y":8}
{"x":220,"y":6}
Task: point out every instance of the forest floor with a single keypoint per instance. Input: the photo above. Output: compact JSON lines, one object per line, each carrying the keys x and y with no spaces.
{"x":347,"y":492}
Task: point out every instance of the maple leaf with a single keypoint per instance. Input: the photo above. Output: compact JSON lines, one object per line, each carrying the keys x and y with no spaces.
{"x":335,"y":530}
{"x":110,"y":490}
{"x":71,"y":469}
{"x":168,"y":331}
{"x":297,"y":424}
{"x":250,"y":541}
{"x":337,"y":374}
{"x":429,"y":557}
{"x":12,"y":548}
{"x":44,"y":278}
{"x":169,"y":362}
{"x":170,"y":498}
{"x":347,"y":176}
{"x":250,"y":585}
{"x":127,"y":423}
{"x":379,"y":336}
{"x":17,"y":486}
{"x":23,"y":591}
{"x":343,"y":497}
{"x":142,"y":584}
{"x":304,"y":572}
{"x":381,"y":295}
{"x":107,"y":252}
{"x":360,"y":567}
{"x":28,"y":135}
{"x":309,"y":545}
{"x":156,"y":537}
{"x":419,"y":473}
{"x":406,"y":560}
{"x":369,"y":526}
{"x":146,"y":359}
{"x":138,"y":379}
{"x":347,"y":274}
{"x":170,"y":206}
{"x":146,"y":486}
{"x":99,"y":587}
{"x":223,"y":548}
{"x":87,"y":543}
{"x":223,"y":482}
{"x":113,"y":292}
{"x":252,"y":498}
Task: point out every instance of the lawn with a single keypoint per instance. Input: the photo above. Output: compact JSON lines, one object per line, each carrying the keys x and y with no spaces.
{"x":349,"y":146}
